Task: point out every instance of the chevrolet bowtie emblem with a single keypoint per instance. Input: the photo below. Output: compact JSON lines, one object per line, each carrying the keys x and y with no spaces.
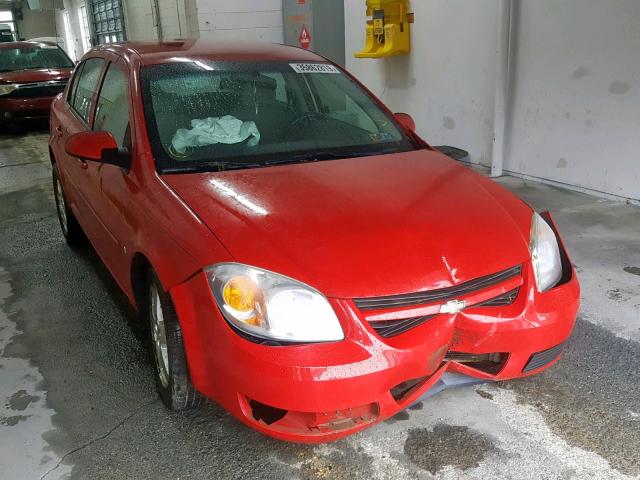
{"x":453,"y":306}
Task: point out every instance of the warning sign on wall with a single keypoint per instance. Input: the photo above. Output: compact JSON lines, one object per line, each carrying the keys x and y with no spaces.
{"x":305,"y":37}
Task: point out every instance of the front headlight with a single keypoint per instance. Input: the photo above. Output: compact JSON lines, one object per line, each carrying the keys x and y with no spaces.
{"x":7,"y":89}
{"x":272,"y":306}
{"x":545,"y":254}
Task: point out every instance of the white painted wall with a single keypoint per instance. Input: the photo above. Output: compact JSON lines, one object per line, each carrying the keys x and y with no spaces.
{"x":178,"y":19}
{"x":576,"y":106}
{"x":257,"y":20}
{"x":223,"y":20}
{"x":75,"y":49}
{"x":219,"y":19}
{"x":139,"y":20}
{"x":37,"y":23}
{"x":573,"y":110}
{"x":447,"y":83}
{"x":174,"y":19}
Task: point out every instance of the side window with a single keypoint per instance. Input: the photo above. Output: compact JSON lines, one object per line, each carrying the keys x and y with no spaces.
{"x":74,"y":84}
{"x":87,"y":83}
{"x":112,"y":111}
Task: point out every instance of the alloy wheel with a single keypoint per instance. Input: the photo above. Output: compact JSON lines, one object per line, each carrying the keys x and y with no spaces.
{"x":61,"y":206}
{"x":159,"y":336}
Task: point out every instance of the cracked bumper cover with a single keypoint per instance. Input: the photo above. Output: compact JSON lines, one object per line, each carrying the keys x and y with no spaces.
{"x":332,"y":390}
{"x":321,"y":392}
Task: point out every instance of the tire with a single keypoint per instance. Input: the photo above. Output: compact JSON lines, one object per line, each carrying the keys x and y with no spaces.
{"x":167,"y":350}
{"x":69,"y":225}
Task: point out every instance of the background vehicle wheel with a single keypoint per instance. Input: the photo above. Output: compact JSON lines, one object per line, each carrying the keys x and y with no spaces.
{"x":71,"y":229}
{"x":167,"y":350}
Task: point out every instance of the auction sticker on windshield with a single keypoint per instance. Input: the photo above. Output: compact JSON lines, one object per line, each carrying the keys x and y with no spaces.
{"x":314,"y":68}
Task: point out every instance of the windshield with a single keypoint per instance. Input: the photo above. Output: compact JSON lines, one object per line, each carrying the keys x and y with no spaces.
{"x":28,"y":58}
{"x":219,"y":116}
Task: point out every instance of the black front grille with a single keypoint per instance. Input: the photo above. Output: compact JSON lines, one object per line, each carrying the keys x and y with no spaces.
{"x":442,"y":294}
{"x":502,"y":300}
{"x":391,"y":328}
{"x":540,"y":359}
{"x":37,"y":90}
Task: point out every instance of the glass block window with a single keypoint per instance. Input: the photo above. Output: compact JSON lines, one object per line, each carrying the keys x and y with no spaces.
{"x":108,"y":21}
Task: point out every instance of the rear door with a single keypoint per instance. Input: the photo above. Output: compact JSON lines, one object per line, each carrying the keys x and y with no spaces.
{"x":75,"y":117}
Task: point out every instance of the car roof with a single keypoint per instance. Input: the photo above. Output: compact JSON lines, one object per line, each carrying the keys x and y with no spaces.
{"x":151,"y":53}
{"x":26,"y":44}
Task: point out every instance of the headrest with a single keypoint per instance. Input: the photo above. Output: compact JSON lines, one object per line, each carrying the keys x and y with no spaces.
{"x":265,"y":82}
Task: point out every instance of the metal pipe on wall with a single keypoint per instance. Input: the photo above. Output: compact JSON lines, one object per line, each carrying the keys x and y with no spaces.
{"x":178,"y":14}
{"x":155,"y":7}
{"x":504,"y":37}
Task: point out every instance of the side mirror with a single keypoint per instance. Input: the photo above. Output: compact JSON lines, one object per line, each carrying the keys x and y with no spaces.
{"x":406,"y":121}
{"x":98,"y":147}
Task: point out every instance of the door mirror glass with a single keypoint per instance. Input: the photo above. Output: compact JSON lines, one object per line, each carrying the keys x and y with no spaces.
{"x":98,"y":147}
{"x":406,"y":121}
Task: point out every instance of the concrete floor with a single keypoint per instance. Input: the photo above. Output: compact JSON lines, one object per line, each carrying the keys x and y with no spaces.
{"x":77,"y":398}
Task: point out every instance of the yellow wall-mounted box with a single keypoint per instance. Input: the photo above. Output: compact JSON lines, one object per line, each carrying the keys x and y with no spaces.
{"x":388,"y":29}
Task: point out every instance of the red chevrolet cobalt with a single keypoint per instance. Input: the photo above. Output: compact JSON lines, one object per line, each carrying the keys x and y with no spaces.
{"x":301,"y":256}
{"x":31,"y":75}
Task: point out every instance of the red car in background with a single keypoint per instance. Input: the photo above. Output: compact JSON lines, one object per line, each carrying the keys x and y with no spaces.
{"x":31,"y":75}
{"x":301,"y":256}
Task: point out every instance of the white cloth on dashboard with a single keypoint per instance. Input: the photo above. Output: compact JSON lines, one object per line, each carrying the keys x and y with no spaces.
{"x":212,"y":130}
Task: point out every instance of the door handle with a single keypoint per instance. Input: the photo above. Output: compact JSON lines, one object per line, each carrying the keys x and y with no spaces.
{"x":83,"y":164}
{"x":59,"y":132}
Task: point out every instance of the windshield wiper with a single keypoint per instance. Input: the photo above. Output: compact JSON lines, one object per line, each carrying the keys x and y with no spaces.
{"x":307,"y":157}
{"x":318,"y":156}
{"x":211,"y":166}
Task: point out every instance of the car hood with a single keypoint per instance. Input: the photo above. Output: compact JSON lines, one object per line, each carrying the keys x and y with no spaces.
{"x":37,"y":75}
{"x":366,"y":226}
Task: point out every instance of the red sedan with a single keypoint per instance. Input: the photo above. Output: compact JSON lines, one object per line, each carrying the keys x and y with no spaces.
{"x":301,"y":256}
{"x":31,"y":75}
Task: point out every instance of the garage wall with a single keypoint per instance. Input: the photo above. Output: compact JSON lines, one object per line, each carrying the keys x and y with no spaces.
{"x":572,"y":112}
{"x":37,"y":23}
{"x":576,"y":94}
{"x":248,"y":20}
{"x":220,"y":19}
{"x":75,"y":50}
{"x":447,"y":83}
{"x":139,"y":20}
{"x":223,"y":20}
{"x":177,"y":19}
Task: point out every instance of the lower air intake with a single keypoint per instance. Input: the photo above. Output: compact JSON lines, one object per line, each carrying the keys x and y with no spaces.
{"x":540,"y":359}
{"x":490,"y":363}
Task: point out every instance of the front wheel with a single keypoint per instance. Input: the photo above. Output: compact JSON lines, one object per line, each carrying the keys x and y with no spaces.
{"x":71,"y":229}
{"x":167,"y":349}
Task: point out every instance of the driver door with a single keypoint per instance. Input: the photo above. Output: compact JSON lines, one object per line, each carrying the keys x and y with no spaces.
{"x":118,"y":186}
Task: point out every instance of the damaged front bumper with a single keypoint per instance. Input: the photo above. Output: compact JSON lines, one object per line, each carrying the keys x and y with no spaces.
{"x":321,"y":392}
